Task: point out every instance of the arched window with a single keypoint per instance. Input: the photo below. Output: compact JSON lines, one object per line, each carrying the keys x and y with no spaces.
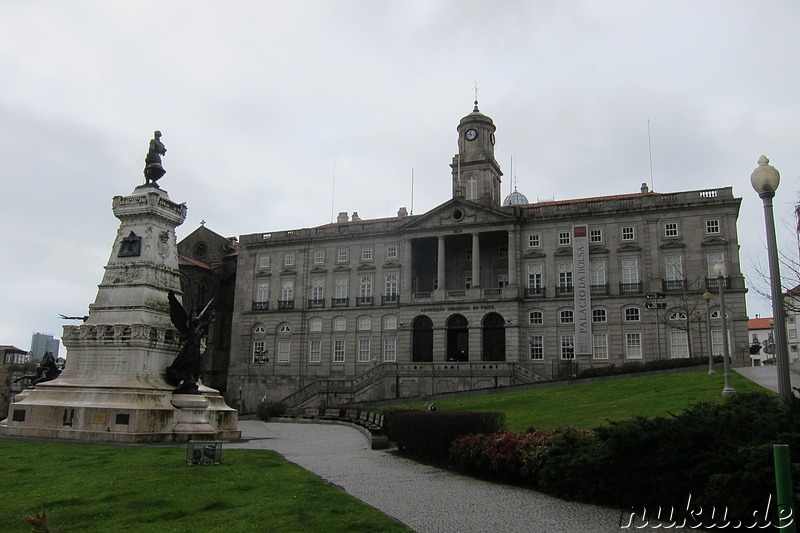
{"x":471,"y":192}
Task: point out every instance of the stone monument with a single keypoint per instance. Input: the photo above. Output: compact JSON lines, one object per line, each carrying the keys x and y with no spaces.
{"x":114,"y":387}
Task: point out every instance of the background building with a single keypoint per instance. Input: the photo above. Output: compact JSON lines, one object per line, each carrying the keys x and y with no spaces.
{"x":14,"y":363}
{"x":481,"y":293}
{"x":42,"y":343}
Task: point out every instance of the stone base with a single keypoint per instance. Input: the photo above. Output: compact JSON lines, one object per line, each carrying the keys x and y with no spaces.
{"x":119,"y":414}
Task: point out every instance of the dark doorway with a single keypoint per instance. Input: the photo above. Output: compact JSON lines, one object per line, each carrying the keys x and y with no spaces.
{"x":422,"y":340}
{"x":457,"y":338}
{"x":494,"y":338}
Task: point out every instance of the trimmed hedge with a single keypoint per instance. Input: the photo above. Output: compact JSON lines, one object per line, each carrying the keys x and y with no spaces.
{"x":635,"y":367}
{"x":267,"y":410}
{"x":428,"y":434}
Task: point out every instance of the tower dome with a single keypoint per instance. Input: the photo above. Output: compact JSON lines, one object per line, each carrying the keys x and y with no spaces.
{"x":515,"y":198}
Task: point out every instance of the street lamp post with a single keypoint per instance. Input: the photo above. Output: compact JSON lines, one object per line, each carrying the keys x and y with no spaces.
{"x":719,"y":270}
{"x":707,"y":297}
{"x":765,"y":180}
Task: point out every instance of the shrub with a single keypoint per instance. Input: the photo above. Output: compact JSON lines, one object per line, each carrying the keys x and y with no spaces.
{"x":635,"y":367}
{"x":267,"y":410}
{"x":428,"y":434}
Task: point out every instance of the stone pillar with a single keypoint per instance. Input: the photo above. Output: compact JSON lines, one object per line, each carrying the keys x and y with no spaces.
{"x":476,"y":260}
{"x":512,"y":258}
{"x":440,"y":265}
{"x":408,"y":272}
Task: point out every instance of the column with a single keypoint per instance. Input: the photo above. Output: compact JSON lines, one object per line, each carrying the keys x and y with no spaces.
{"x":440,"y":264}
{"x":512,"y":258}
{"x":476,"y":260}
{"x":407,"y":281}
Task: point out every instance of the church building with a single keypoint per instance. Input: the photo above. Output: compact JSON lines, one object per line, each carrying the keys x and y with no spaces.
{"x":482,"y":292}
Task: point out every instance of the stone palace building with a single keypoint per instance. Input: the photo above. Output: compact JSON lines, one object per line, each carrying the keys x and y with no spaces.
{"x":480,"y":292}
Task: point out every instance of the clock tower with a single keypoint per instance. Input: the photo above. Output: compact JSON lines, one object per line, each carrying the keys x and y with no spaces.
{"x":476,"y":174}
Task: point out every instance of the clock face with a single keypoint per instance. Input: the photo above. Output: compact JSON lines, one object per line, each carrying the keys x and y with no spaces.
{"x":491,"y":138}
{"x":471,"y":135}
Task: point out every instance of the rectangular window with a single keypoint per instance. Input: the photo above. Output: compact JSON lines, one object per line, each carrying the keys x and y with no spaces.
{"x":262,"y":294}
{"x":363,"y":350}
{"x":391,"y":251}
{"x":535,"y":318}
{"x":288,"y":259}
{"x":564,"y":238}
{"x":365,"y":288}
{"x":712,"y":260}
{"x":599,"y":316}
{"x":679,"y":344}
{"x":283,"y":351}
{"x":630,"y":270}
{"x":315,"y":324}
{"x":468,"y":255}
{"x":600,"y":345}
{"x":534,"y":240}
{"x":317,"y":289}
{"x":341,"y":288}
{"x":537,"y":347}
{"x":341,"y":256}
{"x":595,"y":235}
{"x":467,"y":282}
{"x":502,"y":252}
{"x":628,"y":233}
{"x":339,"y":323}
{"x":390,"y":322}
{"x":263,"y":261}
{"x":674,"y":267}
{"x":364,"y":323}
{"x":633,"y":345}
{"x":287,"y":290}
{"x":319,"y":257}
{"x":391,"y":284}
{"x":314,"y":351}
{"x":565,"y":276}
{"x":597,"y":272}
{"x":258,"y":352}
{"x":502,"y":280}
{"x":366,"y":254}
{"x":535,"y":273}
{"x":568,"y":346}
{"x":566,"y":317}
{"x":671,"y":229}
{"x":716,"y":342}
{"x":338,"y":351}
{"x":632,"y":314}
{"x":390,"y":350}
{"x":712,"y":226}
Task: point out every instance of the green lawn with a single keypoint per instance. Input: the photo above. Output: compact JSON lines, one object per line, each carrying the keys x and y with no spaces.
{"x":589,"y":405}
{"x":150,"y":489}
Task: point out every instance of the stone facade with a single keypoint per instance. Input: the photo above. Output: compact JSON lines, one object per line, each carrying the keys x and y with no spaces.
{"x":473,"y":294}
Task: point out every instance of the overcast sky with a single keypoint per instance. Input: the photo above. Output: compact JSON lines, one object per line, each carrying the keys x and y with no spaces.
{"x":257,"y":100}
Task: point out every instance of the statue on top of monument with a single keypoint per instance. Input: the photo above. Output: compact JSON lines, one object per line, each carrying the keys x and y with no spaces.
{"x":184,"y":372}
{"x":152,"y":161}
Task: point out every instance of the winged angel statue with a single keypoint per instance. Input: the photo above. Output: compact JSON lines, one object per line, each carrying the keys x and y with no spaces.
{"x":184,"y":372}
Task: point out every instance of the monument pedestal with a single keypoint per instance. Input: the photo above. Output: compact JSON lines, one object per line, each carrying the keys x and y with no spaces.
{"x":113,"y":388}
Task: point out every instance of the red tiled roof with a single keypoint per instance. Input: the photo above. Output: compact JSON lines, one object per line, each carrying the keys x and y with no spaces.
{"x":759,"y":323}
{"x":183,"y":260}
{"x":8,"y":347}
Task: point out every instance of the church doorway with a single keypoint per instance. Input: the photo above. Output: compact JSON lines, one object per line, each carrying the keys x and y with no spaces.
{"x":494,"y":338}
{"x":422,"y":340}
{"x":457,"y":338}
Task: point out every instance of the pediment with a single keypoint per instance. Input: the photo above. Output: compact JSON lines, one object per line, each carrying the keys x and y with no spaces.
{"x":288,"y":272}
{"x":535,"y":254}
{"x":671,"y":245}
{"x":391,"y":264}
{"x":459,"y":212}
{"x":365,"y":266}
{"x":341,"y":268}
{"x":629,"y":248}
{"x":318,"y":270}
{"x":562,"y":252}
{"x":712,"y":241}
{"x":263,"y":274}
{"x":597,"y":250}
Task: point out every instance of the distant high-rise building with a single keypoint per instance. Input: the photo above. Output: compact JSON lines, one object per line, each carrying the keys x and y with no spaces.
{"x":42,"y":343}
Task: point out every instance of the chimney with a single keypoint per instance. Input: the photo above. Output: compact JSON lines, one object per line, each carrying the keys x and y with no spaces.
{"x":402,"y":212}
{"x":342,"y":217}
{"x":355,"y":216}
{"x":644,"y":188}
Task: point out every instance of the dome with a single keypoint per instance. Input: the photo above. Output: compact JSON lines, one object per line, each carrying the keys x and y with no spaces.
{"x":515,"y":198}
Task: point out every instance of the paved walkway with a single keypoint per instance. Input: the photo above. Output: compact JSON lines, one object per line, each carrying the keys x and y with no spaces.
{"x":427,"y":499}
{"x":766,"y":376}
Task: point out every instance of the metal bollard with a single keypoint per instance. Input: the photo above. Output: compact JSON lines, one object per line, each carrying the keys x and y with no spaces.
{"x":783,"y":488}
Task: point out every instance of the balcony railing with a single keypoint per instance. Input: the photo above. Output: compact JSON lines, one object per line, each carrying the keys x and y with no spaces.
{"x":565,"y":290}
{"x":599,"y":290}
{"x":456,"y":294}
{"x":534,"y":292}
{"x":363,"y":300}
{"x":340,"y":302}
{"x":673,"y":285}
{"x":630,"y":288}
{"x":492,"y":293}
{"x":713,"y":283}
{"x":316,"y":303}
{"x":390,"y":299}
{"x":261,"y":306}
{"x":285,"y":304}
